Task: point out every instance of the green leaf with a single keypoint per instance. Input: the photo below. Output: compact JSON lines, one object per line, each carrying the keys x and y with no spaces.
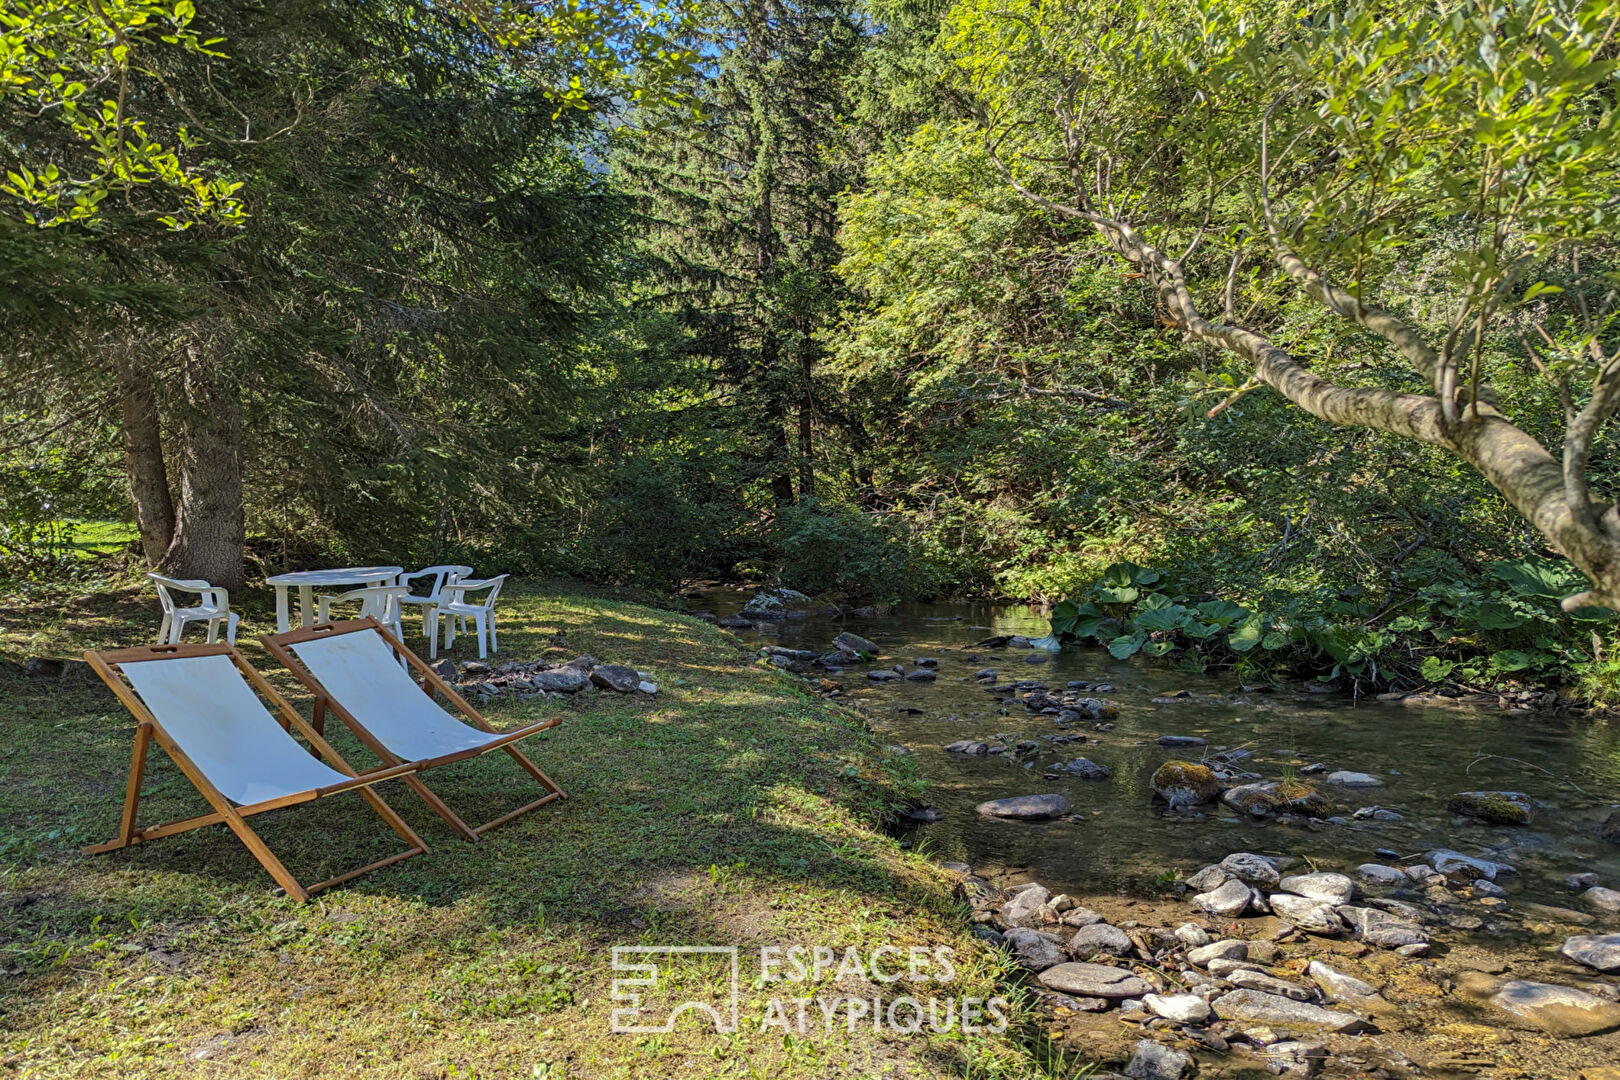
{"x":1511,"y":660}
{"x":1591,"y":614}
{"x":1537,"y":577}
{"x":1163,"y":618}
{"x":1127,"y":646}
{"x":1274,"y":641}
{"x":1245,"y":637}
{"x":1222,"y":613}
{"x":1120,"y":595}
{"x":1434,"y":669}
{"x":1158,"y":648}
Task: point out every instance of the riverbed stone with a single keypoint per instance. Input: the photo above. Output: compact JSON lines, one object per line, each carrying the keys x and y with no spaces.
{"x":1023,"y":907}
{"x":1456,"y":865}
{"x":1182,"y":783}
{"x":1270,"y":797}
{"x":1208,"y":878}
{"x":1094,"y":980}
{"x":1610,"y":828}
{"x":1252,"y":869}
{"x":1336,"y":984}
{"x":1309,"y":914}
{"x":1250,"y":979}
{"x":1228,"y":901}
{"x":1035,"y":949}
{"x":1086,"y":769}
{"x":1255,"y":1006}
{"x":971,"y":747}
{"x":1182,"y":1008}
{"x":1225,"y":949}
{"x":1081,"y":916}
{"x":1558,"y":1010}
{"x":1182,"y":740}
{"x":1607,"y":900}
{"x":1100,"y":938}
{"x":1346,"y":778}
{"x":1379,"y":874}
{"x":848,"y":642}
{"x":1494,"y":807}
{"x":1381,"y":928}
{"x":922,"y":675}
{"x":1026,"y":807}
{"x":1600,"y":951}
{"x":882,"y":675}
{"x":1192,"y":935}
{"x":1328,"y":887}
{"x":1155,"y":1061}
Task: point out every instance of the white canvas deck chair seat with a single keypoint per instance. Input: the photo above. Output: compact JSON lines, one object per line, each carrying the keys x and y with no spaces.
{"x":202,"y":704}
{"x":353,"y":669}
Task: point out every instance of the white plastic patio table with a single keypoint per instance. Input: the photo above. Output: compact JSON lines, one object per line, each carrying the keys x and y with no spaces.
{"x":307,"y":581}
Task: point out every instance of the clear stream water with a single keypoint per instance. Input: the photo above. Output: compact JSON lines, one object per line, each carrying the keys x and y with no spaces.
{"x":1120,"y":840}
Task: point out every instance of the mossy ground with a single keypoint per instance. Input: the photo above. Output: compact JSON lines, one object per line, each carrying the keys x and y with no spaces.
{"x":733,"y":808}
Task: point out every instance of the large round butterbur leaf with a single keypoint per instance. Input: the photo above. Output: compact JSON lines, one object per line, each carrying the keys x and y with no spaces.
{"x":1120,"y":594}
{"x":1434,"y":669}
{"x":1127,"y":645}
{"x":1245,"y":637}
{"x":1591,"y":614}
{"x":1076,"y":619}
{"x":1199,"y":630}
{"x":1158,"y":648}
{"x":1222,"y":613}
{"x":1511,"y":660}
{"x":1128,"y":573}
{"x":1537,"y":577}
{"x":1172,"y":617}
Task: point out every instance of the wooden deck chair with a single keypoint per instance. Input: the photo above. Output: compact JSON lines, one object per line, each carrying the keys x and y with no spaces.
{"x":199,"y":703}
{"x":352,"y":669}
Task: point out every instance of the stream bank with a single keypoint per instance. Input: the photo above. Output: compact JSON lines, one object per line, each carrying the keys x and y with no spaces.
{"x":1390,"y":785}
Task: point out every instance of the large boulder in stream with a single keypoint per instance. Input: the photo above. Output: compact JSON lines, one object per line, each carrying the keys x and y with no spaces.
{"x":1026,"y":807}
{"x":1181,"y":783}
{"x":848,"y":642}
{"x":1494,"y":807}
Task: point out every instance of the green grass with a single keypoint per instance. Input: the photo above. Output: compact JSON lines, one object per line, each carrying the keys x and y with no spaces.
{"x":733,"y":808}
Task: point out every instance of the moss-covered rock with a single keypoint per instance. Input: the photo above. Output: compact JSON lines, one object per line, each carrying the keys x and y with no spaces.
{"x":1182,"y":783}
{"x":1278,"y":797}
{"x":1494,"y":807}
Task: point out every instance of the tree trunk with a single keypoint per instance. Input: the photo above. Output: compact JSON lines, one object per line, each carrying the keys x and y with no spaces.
{"x":807,"y":465}
{"x":143,"y":458}
{"x":208,"y":535}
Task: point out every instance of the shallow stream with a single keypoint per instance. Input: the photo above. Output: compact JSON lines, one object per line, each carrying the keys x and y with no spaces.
{"x":1119,"y":839}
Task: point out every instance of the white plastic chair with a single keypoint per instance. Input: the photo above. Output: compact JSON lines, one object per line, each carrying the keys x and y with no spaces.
{"x":453,"y":602}
{"x":441,"y":575}
{"x":214,"y":607}
{"x":381,"y":602}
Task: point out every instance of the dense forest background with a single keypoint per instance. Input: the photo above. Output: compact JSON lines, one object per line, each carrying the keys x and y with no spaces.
{"x":791,"y":323}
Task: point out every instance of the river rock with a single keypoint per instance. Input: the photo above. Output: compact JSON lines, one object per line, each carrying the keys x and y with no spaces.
{"x":971,"y":747}
{"x":1098,"y":938}
{"x":1081,"y":916}
{"x":616,"y":677}
{"x":1192,"y":935}
{"x":1595,"y":951}
{"x":1610,"y":828}
{"x":1226,"y":949}
{"x":1494,"y":807}
{"x":1254,"y":869}
{"x":561,"y":680}
{"x":1086,"y":769}
{"x":1026,"y":807}
{"x":1558,"y":1010}
{"x":1328,"y":887}
{"x":1227,"y":902}
{"x":1603,"y":899}
{"x":922,"y":675}
{"x":1035,"y":949}
{"x":1249,"y":979}
{"x":1182,"y":1008}
{"x":1254,"y":1006}
{"x":1182,"y":740}
{"x":1310,"y":915}
{"x":1381,"y":928}
{"x":1336,"y":984}
{"x":1155,"y":1061}
{"x":883,"y":675}
{"x":1454,"y":864}
{"x":1181,"y":783}
{"x":1277,"y":796}
{"x":1345,"y":778}
{"x":734,"y":622}
{"x":1379,"y":874}
{"x":1023,"y":907}
{"x":1580,"y":882}
{"x":848,"y":642}
{"x":1555,"y":913}
{"x":1094,"y":980}
{"x":1208,"y":878}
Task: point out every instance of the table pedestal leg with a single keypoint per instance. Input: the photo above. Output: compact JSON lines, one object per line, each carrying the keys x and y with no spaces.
{"x":283,"y":624}
{"x":306,"y":605}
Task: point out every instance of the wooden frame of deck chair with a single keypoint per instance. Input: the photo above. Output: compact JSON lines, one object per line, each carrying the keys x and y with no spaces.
{"x":352,"y":668}
{"x":205,"y":706}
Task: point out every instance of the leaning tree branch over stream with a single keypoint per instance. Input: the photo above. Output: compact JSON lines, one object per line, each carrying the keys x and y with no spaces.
{"x":1335,"y":160}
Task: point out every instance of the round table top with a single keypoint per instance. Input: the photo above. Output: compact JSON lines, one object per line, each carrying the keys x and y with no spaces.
{"x":349,"y":575}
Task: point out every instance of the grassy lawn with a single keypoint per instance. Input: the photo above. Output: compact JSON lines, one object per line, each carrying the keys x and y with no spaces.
{"x":733,"y":808}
